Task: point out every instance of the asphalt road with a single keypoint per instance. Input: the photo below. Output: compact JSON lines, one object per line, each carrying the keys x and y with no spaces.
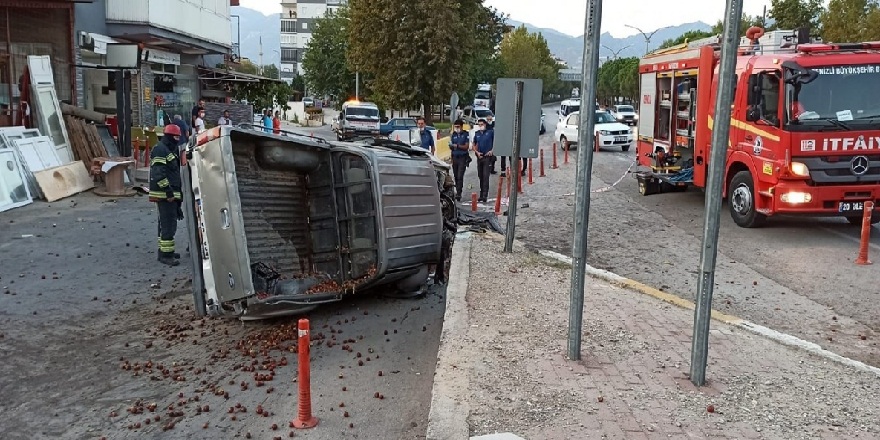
{"x":795,"y":275}
{"x":85,"y":308}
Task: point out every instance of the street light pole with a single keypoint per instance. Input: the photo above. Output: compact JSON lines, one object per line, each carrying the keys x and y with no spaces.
{"x":616,"y":52}
{"x":647,"y":36}
{"x":238,"y":33}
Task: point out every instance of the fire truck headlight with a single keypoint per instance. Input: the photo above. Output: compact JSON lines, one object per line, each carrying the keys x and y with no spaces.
{"x":797,"y":197}
{"x":799,"y":169}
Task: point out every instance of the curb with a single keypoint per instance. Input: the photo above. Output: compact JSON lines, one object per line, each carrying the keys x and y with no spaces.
{"x":779,"y":337}
{"x":447,"y":418}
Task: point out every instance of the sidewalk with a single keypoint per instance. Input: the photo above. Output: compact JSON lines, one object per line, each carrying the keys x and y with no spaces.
{"x":502,"y":365}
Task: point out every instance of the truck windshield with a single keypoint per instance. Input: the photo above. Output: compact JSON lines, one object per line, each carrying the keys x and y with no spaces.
{"x":845,"y":96}
{"x":362,"y":112}
{"x":482,"y":95}
{"x":625,"y":108}
{"x":604,"y":118}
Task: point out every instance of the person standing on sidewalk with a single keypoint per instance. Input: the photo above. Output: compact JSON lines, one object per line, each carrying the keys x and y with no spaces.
{"x":461,"y":156}
{"x":276,"y":123}
{"x":165,"y":187}
{"x":484,"y":140}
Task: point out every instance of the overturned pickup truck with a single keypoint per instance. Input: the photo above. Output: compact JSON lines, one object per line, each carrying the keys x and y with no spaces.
{"x":279,"y":224}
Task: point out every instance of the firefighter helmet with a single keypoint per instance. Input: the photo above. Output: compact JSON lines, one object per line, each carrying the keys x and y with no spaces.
{"x":172,"y":129}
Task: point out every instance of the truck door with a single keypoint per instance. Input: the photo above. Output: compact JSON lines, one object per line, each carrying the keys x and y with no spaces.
{"x":762,"y":119}
{"x":356,"y":214}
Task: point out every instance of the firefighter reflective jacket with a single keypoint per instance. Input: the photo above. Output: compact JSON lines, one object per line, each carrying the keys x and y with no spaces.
{"x":164,"y":171}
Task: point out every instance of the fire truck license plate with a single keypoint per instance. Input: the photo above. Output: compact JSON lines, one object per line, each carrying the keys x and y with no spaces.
{"x":851,"y":207}
{"x":619,"y":138}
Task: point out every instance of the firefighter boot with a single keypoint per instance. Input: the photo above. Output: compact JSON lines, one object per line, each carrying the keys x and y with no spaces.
{"x":168,"y":258}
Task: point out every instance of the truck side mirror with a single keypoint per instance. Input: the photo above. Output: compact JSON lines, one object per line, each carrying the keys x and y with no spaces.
{"x":753,"y":114}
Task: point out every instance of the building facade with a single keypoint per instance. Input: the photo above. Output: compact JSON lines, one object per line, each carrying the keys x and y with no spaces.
{"x":177,"y":37}
{"x":32,"y":27}
{"x":297,"y":23}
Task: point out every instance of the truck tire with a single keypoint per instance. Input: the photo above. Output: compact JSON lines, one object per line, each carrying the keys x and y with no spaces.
{"x":741,"y":200}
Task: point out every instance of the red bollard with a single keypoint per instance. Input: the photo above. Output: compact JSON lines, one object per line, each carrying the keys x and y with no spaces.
{"x":866,"y":235}
{"x":566,"y":153}
{"x":509,"y":179}
{"x":304,"y":418}
{"x":474,"y":202}
{"x":498,"y":199}
{"x":541,"y":161}
{"x":555,"y":165}
{"x":519,"y":181}
{"x":530,"y":172}
{"x":596,"y":142}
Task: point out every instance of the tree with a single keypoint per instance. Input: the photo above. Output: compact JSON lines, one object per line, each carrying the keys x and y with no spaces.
{"x":413,"y":55}
{"x":526,"y":55}
{"x":794,"y":14}
{"x":618,"y":77}
{"x":686,"y":37}
{"x":264,"y":94}
{"x":483,"y":63}
{"x":747,"y":22}
{"x":850,"y":21}
{"x":271,"y":71}
{"x":325,"y":64}
{"x":245,"y":66}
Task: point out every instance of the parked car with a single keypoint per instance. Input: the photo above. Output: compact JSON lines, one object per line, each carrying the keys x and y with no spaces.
{"x":279,"y":225}
{"x":625,"y":114}
{"x":611,"y":132}
{"x":397,"y":124}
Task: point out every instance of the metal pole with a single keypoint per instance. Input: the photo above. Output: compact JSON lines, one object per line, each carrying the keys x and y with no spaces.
{"x":712,"y":223}
{"x":515,"y":166}
{"x":357,"y":85}
{"x":592,"y":31}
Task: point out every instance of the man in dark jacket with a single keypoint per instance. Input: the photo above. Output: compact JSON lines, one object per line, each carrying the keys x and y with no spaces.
{"x":461,"y":156}
{"x":165,"y":187}
{"x":484,"y":141}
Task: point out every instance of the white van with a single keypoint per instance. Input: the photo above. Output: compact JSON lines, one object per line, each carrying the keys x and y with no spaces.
{"x":357,"y":119}
{"x":568,"y":107}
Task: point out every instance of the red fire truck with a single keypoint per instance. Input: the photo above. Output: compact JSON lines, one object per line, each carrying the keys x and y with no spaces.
{"x":805,"y":127}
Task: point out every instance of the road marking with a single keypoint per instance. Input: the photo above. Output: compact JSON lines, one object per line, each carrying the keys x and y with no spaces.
{"x":851,"y":238}
{"x":782,"y":338}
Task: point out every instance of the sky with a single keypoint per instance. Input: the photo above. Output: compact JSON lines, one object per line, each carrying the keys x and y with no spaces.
{"x":567,"y":16}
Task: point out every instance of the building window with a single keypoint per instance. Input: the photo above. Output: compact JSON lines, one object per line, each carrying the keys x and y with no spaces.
{"x":288,"y":55}
{"x":288,"y":26}
{"x":305,"y":25}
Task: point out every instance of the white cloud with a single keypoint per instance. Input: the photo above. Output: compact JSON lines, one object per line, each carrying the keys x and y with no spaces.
{"x":567,"y":16}
{"x":267,"y":7}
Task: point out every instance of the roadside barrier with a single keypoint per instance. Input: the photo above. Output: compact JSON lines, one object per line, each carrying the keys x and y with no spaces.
{"x":541,"y":151}
{"x":596,"y":142}
{"x":565,"y":161}
{"x":866,"y":235}
{"x":555,"y":165}
{"x":304,"y":418}
{"x":474,"y":202}
{"x":498,"y":199}
{"x":530,"y":172}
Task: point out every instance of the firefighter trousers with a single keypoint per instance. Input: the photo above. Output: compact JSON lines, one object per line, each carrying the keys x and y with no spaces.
{"x":167,"y":226}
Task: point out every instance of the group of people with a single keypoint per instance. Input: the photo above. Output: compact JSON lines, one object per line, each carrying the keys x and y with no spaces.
{"x":482,"y":145}
{"x":270,"y":124}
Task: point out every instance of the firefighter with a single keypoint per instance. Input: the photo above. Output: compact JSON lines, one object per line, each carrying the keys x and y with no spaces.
{"x":165,"y":187}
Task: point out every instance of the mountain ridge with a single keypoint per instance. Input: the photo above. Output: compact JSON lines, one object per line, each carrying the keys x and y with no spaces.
{"x":254,"y":24}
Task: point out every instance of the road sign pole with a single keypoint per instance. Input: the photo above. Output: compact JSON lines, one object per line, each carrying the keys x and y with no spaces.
{"x":592,"y":31}
{"x":515,"y":166}
{"x":714,"y":187}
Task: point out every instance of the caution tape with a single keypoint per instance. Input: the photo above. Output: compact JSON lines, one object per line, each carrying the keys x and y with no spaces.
{"x":625,"y":173}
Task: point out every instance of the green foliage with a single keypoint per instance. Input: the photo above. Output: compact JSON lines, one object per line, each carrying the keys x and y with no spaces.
{"x":747,"y":22}
{"x":526,"y":55}
{"x":324,"y":62}
{"x":270,"y":71}
{"x":619,"y":77}
{"x":793,"y":14}
{"x":245,"y":66}
{"x":412,"y":55}
{"x":685,"y":37}
{"x":851,"y":21}
{"x":483,"y":64}
{"x":264,"y":94}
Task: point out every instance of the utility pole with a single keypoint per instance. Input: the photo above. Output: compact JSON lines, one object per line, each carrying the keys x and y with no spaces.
{"x":616,"y":52}
{"x":238,"y":33}
{"x":712,"y":222}
{"x":357,"y":86}
{"x":592,"y":32}
{"x":647,"y":36}
{"x":261,"y":55}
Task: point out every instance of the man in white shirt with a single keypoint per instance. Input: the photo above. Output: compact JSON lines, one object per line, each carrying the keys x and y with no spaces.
{"x":225,"y":119}
{"x":200,"y":122}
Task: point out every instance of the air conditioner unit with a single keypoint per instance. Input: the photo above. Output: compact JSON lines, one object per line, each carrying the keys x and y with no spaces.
{"x":86,"y":41}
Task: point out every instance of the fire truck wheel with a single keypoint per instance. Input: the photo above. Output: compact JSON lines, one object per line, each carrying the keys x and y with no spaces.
{"x":741,"y":200}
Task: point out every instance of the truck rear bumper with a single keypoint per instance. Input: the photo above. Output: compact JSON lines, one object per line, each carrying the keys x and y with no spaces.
{"x":798,"y":198}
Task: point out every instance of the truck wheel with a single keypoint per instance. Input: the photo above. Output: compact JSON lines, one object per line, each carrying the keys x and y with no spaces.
{"x":857,"y":220}
{"x":741,"y":199}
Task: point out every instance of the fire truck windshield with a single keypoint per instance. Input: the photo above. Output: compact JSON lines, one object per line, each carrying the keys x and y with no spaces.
{"x":845,"y":97}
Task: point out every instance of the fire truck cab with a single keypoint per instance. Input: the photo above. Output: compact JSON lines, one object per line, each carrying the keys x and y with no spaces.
{"x":805,"y":126}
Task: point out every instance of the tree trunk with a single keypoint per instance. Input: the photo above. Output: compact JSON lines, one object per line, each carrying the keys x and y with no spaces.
{"x":67,"y":109}
{"x":427,"y":113}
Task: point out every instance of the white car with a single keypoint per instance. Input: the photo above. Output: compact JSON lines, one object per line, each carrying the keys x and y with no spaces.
{"x":611,"y":133}
{"x":625,"y":114}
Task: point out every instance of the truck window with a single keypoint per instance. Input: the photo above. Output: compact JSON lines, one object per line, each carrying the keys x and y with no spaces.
{"x":770,"y":98}
{"x":362,"y":112}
